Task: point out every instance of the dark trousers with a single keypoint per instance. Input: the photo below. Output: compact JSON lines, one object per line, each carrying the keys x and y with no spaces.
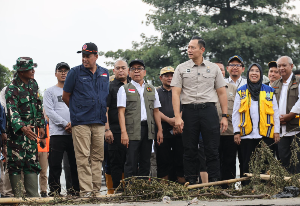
{"x":58,"y":145}
{"x":117,"y":157}
{"x":284,"y":147}
{"x":227,"y":153}
{"x":169,"y":156}
{"x":138,"y":155}
{"x":206,"y":121}
{"x":248,"y":147}
{"x":67,"y":171}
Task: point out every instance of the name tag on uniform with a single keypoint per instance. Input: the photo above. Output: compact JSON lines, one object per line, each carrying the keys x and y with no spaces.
{"x":188,"y":70}
{"x":131,"y":90}
{"x":230,"y":94}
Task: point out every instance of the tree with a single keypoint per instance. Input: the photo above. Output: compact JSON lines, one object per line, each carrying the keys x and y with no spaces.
{"x":5,"y":76}
{"x":259,"y":30}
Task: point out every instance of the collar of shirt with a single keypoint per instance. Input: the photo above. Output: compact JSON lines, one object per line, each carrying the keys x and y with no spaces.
{"x":237,"y":82}
{"x":192,"y":63}
{"x":117,"y":82}
{"x":164,"y":90}
{"x":137,"y":84}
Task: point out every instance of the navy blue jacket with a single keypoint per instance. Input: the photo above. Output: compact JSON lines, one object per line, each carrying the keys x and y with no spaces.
{"x":89,"y":92}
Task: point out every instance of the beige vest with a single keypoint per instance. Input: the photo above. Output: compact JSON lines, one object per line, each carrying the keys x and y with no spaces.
{"x":133,"y":111}
{"x":231,"y":92}
{"x":292,"y":98}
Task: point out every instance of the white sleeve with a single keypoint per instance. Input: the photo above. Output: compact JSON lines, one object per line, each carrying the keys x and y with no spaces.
{"x":121,"y":97}
{"x":276,"y":116}
{"x":50,"y":112}
{"x":235,"y":114}
{"x":156,"y":102}
{"x":296,"y":107}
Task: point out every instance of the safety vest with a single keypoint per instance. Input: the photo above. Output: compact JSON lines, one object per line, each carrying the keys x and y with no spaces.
{"x":46,"y":148}
{"x":266,"y":112}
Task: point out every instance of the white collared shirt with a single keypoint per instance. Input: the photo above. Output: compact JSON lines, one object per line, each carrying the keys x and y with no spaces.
{"x":240,"y":82}
{"x":282,"y":105}
{"x":121,"y":98}
{"x":236,"y":117}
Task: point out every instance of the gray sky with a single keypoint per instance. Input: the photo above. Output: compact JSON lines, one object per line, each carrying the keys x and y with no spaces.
{"x":53,"y":31}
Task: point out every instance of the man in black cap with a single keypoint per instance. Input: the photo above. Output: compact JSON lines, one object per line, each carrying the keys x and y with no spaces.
{"x":273,"y":73}
{"x":235,"y":68}
{"x":85,"y":92}
{"x":60,"y":132}
{"x":138,"y":104}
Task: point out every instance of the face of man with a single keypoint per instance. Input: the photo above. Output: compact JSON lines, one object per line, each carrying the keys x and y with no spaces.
{"x":194,"y":50}
{"x":61,"y":74}
{"x":221,"y":66}
{"x":235,"y":68}
{"x":137,"y":72}
{"x":285,"y":68}
{"x":29,"y":74}
{"x":89,"y":60}
{"x":273,"y":74}
{"x":121,"y":70}
{"x":166,"y":79}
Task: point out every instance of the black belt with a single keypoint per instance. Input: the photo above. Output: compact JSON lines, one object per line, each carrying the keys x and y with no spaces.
{"x":144,"y":123}
{"x":198,"y":106}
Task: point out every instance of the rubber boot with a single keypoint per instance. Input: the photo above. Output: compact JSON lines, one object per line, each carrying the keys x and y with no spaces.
{"x":16,"y":185}
{"x":109,"y":184}
{"x":31,"y":185}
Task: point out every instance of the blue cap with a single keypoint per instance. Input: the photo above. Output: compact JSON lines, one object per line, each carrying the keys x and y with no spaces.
{"x":237,"y":57}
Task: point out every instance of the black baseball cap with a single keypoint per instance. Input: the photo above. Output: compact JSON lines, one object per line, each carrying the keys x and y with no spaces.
{"x":62,"y":64}
{"x":139,"y":61}
{"x":89,"y":48}
{"x":272,"y":64}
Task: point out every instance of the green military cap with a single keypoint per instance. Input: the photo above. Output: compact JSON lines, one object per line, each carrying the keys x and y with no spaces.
{"x":24,"y":64}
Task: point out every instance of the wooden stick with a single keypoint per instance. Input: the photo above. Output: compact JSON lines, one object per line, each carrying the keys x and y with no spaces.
{"x":244,"y":196}
{"x":218,"y":183}
{"x":267,"y":177}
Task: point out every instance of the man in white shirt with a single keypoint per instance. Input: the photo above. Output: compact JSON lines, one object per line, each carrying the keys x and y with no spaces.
{"x":287,"y":93}
{"x":235,"y":69}
{"x":138,"y":104}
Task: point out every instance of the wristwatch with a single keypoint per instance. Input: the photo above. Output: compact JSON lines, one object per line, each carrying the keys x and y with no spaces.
{"x":225,"y":115}
{"x":107,"y":130}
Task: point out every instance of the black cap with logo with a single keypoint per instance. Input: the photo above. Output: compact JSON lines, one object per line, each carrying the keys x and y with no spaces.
{"x":89,"y":48}
{"x":62,"y":64}
{"x":139,"y":61}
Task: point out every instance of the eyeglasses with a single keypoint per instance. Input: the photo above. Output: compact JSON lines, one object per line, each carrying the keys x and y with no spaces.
{"x":62,"y":71}
{"x":137,"y":69}
{"x":235,"y":65}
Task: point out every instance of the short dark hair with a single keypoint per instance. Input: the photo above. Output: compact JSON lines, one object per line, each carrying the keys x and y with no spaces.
{"x":201,"y":42}
{"x":296,"y":72}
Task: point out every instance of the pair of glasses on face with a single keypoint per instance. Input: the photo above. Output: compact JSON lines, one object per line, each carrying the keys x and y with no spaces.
{"x":137,"y":69}
{"x":235,"y":65}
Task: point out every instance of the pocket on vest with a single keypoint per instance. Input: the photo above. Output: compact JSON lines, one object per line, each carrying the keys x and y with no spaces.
{"x":85,"y":110}
{"x":151,"y":99}
{"x":131,"y":102}
{"x":152,"y":127}
{"x":129,"y":125}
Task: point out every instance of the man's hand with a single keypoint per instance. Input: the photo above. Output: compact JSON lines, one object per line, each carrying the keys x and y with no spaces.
{"x":178,"y":124}
{"x":171,"y":121}
{"x":109,"y":137}
{"x":4,"y":151}
{"x":27,"y":131}
{"x":42,"y":142}
{"x":4,"y":138}
{"x":160,"y":137}
{"x":223,"y":124}
{"x":68,"y":128}
{"x":41,"y":133}
{"x":237,"y":139}
{"x":276,"y":137}
{"x":284,"y":118}
{"x":124,"y":139}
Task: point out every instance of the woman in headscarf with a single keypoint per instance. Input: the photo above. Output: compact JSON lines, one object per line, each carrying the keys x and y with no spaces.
{"x":255,"y":115}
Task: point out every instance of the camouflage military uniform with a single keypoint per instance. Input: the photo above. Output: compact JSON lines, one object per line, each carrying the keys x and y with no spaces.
{"x":24,"y":108}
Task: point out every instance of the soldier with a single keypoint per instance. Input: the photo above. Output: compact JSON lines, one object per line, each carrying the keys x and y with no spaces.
{"x":25,"y":115}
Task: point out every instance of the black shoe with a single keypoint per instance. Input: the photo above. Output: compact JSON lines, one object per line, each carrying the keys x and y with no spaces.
{"x":192,"y":181}
{"x":44,"y":194}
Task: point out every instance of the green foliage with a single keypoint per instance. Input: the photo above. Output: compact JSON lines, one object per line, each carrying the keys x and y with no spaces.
{"x":259,"y":31}
{"x":5,"y":76}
